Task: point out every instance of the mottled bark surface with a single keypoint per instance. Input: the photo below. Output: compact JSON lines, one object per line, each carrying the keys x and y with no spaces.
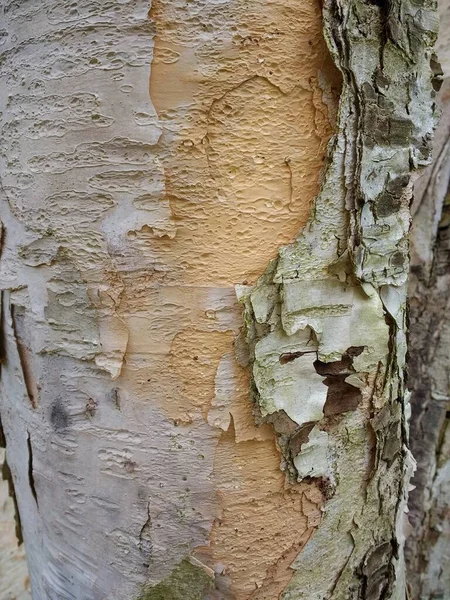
{"x":428,"y":545}
{"x":134,"y":201}
{"x":153,"y":157}
{"x":332,"y":309}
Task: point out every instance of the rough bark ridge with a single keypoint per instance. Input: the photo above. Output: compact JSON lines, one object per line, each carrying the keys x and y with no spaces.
{"x":428,"y":546}
{"x":331,"y":309}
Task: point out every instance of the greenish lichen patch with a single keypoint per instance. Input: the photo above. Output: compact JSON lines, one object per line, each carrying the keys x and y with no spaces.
{"x":186,"y":582}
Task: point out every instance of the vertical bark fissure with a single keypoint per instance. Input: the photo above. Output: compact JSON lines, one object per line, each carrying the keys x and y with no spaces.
{"x":2,"y":332}
{"x":323,"y":296}
{"x":30,"y":469}
{"x":24,"y":357}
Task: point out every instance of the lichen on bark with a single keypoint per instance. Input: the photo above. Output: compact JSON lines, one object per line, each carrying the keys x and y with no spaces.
{"x":336,"y":297}
{"x":187,"y":581}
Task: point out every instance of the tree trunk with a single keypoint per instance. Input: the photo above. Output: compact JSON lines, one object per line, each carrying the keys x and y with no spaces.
{"x":158,"y":447}
{"x":428,"y":547}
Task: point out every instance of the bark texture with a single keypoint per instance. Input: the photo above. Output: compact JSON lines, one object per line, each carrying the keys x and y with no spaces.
{"x":428,"y":545}
{"x":130,"y":213}
{"x":331,"y":310}
{"x":14,"y":580}
{"x":151,"y":161}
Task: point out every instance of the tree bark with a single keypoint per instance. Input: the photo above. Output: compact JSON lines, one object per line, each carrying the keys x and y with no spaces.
{"x":333,"y":306}
{"x":133,"y":204}
{"x":13,"y":570}
{"x":428,"y":545}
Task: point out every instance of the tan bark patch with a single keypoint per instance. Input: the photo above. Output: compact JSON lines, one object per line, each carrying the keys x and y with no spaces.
{"x":194,"y":357}
{"x":264,"y":521}
{"x":246,"y":131}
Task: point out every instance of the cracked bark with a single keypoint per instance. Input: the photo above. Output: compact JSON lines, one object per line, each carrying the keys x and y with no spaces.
{"x":130,"y":217}
{"x":342,"y":284}
{"x":428,"y":545}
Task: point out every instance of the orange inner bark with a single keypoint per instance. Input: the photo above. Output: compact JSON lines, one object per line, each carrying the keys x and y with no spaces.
{"x":245,"y":131}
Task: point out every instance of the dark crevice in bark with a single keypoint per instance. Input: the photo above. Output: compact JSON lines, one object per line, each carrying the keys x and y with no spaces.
{"x":6,"y":474}
{"x":288,"y":357}
{"x":145,"y":540}
{"x":2,"y":331}
{"x":24,"y":355}
{"x":341,"y":396}
{"x":30,"y":469}
{"x":377,"y":572}
{"x":299,"y":438}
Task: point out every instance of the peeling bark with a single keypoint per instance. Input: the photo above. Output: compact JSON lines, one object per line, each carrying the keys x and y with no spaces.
{"x":341,"y":285}
{"x":134,"y":201}
{"x":428,"y":544}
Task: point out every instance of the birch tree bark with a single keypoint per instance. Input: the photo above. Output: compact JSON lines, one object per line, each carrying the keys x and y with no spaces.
{"x":428,"y":547}
{"x":155,"y":160}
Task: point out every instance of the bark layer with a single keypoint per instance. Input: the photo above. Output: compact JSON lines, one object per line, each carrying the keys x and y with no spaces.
{"x":133,"y":200}
{"x":428,"y":544}
{"x":128,"y":221}
{"x":331,"y":309}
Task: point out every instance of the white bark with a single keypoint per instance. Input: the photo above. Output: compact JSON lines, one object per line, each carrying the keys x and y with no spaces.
{"x":129,"y":219}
